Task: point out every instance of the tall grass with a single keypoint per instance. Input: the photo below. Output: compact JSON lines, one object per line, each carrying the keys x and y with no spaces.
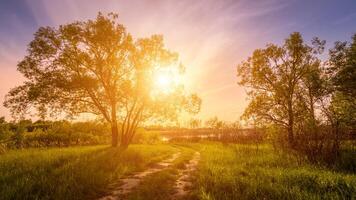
{"x":241,"y":172}
{"x":71,"y":173}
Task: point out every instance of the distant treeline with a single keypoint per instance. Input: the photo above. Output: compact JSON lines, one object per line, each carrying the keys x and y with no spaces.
{"x":224,"y":134}
{"x":228,"y":134}
{"x":26,"y":133}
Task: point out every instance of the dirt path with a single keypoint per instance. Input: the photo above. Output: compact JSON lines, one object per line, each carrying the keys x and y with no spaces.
{"x":184,"y":181}
{"x":129,"y":183}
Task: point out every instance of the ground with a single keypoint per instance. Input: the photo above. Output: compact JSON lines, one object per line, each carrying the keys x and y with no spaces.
{"x":168,"y":171}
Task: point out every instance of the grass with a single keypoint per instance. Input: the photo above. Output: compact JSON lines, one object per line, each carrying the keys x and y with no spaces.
{"x":240,"y":172}
{"x":158,"y":186}
{"x":71,"y":173}
{"x":224,"y":172}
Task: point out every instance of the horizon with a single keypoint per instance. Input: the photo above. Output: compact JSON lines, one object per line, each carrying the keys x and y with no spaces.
{"x":210,"y":37}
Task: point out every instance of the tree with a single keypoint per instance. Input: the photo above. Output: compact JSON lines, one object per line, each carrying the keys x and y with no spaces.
{"x":274,"y":76}
{"x":194,"y":123}
{"x":340,"y":106}
{"x":342,"y":67}
{"x":4,"y":130}
{"x":342,"y":82}
{"x":214,"y":123}
{"x":96,"y":67}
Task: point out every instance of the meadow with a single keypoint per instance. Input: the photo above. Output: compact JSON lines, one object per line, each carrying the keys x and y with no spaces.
{"x":242,"y":172}
{"x":224,"y":171}
{"x":71,"y":173}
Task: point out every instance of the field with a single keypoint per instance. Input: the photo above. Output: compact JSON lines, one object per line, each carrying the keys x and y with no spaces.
{"x":223,"y":172}
{"x":241,"y":172}
{"x":70,"y":173}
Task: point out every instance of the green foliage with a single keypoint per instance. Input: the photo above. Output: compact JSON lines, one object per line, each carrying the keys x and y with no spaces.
{"x":5,"y":132}
{"x":214,"y":123}
{"x":143,"y":136}
{"x":313,"y":102}
{"x":57,"y":133}
{"x":282,"y":81}
{"x":342,"y":66}
{"x":342,"y":75}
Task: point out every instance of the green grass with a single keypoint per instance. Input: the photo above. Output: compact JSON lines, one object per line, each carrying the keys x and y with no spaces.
{"x":224,"y":172}
{"x":71,"y":173}
{"x":239,"y":172}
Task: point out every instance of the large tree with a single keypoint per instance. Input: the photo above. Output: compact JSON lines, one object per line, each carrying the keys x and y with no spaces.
{"x":277,"y":78}
{"x":96,"y":67}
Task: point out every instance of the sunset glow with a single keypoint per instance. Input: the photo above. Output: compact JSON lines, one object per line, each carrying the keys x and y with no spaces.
{"x":173,"y":100}
{"x":165,"y":80}
{"x":211,"y":37}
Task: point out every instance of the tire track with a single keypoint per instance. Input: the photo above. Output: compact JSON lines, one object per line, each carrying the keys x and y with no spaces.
{"x":129,"y":183}
{"x":184,"y":183}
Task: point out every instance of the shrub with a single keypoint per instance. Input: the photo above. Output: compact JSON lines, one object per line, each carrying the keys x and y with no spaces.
{"x":143,"y":136}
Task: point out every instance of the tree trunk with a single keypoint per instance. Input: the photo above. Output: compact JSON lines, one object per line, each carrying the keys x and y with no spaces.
{"x":126,"y":139}
{"x":114,"y":134}
{"x":290,"y":125}
{"x":336,"y":144}
{"x":290,"y":135}
{"x":124,"y":143}
{"x":114,"y":129}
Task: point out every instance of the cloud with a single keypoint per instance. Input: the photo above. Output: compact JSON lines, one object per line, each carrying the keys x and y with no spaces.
{"x":210,"y":36}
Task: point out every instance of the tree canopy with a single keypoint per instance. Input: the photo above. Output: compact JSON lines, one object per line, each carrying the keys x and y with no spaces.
{"x":96,"y":67}
{"x":278,"y":78}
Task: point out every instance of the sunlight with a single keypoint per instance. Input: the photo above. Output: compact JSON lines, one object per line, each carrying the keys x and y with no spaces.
{"x":163,"y":81}
{"x":177,"y":100}
{"x":166,"y":79}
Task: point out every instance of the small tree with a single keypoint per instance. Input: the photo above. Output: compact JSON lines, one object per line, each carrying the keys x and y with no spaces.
{"x":214,"y":123}
{"x":194,"y":123}
{"x":274,"y":76}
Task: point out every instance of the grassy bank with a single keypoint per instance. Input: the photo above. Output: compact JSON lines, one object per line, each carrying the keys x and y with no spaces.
{"x":241,"y":172}
{"x":71,"y":173}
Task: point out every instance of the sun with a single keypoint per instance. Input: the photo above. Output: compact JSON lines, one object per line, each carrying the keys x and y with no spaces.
{"x":165,"y":80}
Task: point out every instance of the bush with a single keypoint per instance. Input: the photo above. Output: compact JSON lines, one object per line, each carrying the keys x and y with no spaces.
{"x":57,"y":133}
{"x":146,"y":137}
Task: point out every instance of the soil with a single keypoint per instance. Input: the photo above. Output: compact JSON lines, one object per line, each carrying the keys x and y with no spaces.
{"x":127,"y":184}
{"x":184,"y":182}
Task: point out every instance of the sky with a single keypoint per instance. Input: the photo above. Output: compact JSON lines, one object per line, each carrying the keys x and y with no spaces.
{"x":211,"y":36}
